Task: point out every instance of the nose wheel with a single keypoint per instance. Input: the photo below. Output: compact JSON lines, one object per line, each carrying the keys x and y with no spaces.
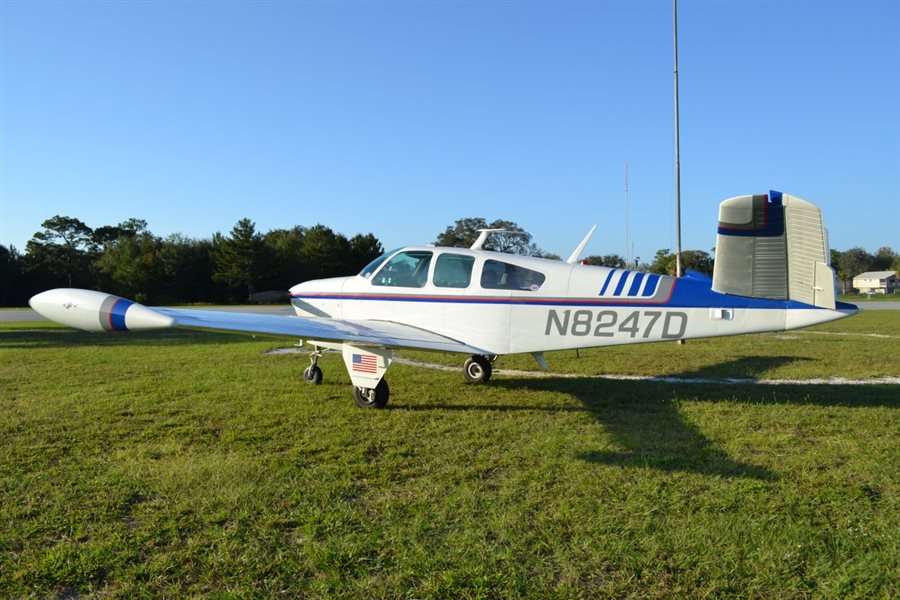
{"x":477,"y":369}
{"x":313,"y":374}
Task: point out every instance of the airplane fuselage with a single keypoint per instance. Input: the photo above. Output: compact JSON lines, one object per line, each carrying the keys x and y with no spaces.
{"x":512,"y":304}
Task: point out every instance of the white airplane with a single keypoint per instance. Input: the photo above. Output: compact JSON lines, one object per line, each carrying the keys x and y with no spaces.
{"x":771,"y":273}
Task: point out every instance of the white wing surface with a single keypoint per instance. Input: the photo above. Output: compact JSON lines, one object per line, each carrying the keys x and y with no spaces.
{"x":98,"y":311}
{"x":385,"y":334}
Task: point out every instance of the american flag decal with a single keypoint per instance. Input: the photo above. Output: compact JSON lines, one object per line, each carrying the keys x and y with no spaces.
{"x":365,"y":363}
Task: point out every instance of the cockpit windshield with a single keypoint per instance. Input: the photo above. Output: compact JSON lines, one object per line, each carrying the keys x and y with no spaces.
{"x":405,"y":269}
{"x":373,"y":266}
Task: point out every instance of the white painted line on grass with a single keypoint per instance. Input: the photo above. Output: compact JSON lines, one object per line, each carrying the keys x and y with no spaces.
{"x":654,"y":379}
{"x":847,"y":333}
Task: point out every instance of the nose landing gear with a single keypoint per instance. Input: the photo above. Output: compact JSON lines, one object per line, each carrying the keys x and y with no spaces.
{"x":313,"y":374}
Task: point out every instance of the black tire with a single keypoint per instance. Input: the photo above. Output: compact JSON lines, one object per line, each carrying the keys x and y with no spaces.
{"x":372,"y":398}
{"x":312,"y":375}
{"x":477,"y":369}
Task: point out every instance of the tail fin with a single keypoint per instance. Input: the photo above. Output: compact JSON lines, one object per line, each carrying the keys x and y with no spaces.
{"x":773,"y":247}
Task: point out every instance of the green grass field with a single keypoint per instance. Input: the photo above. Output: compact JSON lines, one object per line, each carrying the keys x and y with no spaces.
{"x":857,"y":297}
{"x":193,"y":464}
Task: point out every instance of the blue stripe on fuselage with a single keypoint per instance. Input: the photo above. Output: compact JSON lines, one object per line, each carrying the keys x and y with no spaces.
{"x":606,"y":283}
{"x":636,"y":284}
{"x":650,"y":288}
{"x":686,"y":293}
{"x":621,"y":283}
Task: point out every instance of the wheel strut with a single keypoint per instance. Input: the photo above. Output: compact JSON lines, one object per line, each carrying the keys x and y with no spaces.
{"x":313,"y":374}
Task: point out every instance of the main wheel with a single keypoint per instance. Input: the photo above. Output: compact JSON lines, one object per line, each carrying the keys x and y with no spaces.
{"x":312,"y":375}
{"x":477,"y":369}
{"x":376,"y":397}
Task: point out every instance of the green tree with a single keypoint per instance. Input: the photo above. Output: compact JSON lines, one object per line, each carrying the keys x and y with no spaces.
{"x":285,"y":250}
{"x":187,"y":270}
{"x":695,"y":260}
{"x":608,"y":260}
{"x":110,"y":233}
{"x":299,"y":254}
{"x":663,"y":262}
{"x":514,"y":240}
{"x":835,"y":257}
{"x":851,"y":263}
{"x":241,"y":259}
{"x":62,"y":253}
{"x":364,"y":249}
{"x":10,"y":277}
{"x":325,"y":253}
{"x":462,"y":233}
{"x":132,"y":260}
{"x":883,"y":259}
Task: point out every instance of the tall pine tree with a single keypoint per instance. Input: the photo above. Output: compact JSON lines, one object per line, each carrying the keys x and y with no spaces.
{"x":241,"y":259}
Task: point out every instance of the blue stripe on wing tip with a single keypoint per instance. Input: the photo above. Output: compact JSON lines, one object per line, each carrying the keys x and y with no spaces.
{"x":117,"y":314}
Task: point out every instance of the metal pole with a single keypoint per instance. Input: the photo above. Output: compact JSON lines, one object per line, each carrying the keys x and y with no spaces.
{"x":626,"y":212}
{"x":677,"y":144}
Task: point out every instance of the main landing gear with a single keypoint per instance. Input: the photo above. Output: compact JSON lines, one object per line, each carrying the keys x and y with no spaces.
{"x":478,"y":368}
{"x":376,"y":397}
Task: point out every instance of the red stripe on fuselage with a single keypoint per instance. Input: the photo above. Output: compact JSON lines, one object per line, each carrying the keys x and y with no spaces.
{"x":480,"y":299}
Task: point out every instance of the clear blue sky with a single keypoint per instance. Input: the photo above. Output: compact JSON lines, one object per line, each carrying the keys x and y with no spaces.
{"x":398,"y":118}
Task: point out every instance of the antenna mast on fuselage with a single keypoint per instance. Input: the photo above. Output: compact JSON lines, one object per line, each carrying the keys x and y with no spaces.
{"x":483,"y":235}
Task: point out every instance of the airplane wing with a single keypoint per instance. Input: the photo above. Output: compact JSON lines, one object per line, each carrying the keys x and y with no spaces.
{"x":384,"y":334}
{"x":98,"y":311}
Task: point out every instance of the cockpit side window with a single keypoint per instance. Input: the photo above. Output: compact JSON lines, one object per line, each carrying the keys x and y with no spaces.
{"x":407,"y":269}
{"x":453,"y":270}
{"x":498,"y":275}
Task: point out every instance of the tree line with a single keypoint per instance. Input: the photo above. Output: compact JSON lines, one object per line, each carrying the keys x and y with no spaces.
{"x":850,"y":263}
{"x":129,"y":260}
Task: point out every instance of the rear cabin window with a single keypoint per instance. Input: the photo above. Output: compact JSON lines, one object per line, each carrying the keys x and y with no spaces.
{"x":453,"y":270}
{"x":498,"y":275}
{"x":407,"y":269}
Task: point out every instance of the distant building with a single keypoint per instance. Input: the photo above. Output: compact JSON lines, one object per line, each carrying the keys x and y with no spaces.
{"x":877,"y":282}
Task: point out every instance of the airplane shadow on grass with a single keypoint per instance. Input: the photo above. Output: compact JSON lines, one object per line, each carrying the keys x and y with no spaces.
{"x":644,"y":416}
{"x":645,"y":421}
{"x":72,"y":338}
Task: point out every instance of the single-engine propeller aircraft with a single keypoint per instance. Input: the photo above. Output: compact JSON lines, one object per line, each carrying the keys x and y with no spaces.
{"x":771,"y":273}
